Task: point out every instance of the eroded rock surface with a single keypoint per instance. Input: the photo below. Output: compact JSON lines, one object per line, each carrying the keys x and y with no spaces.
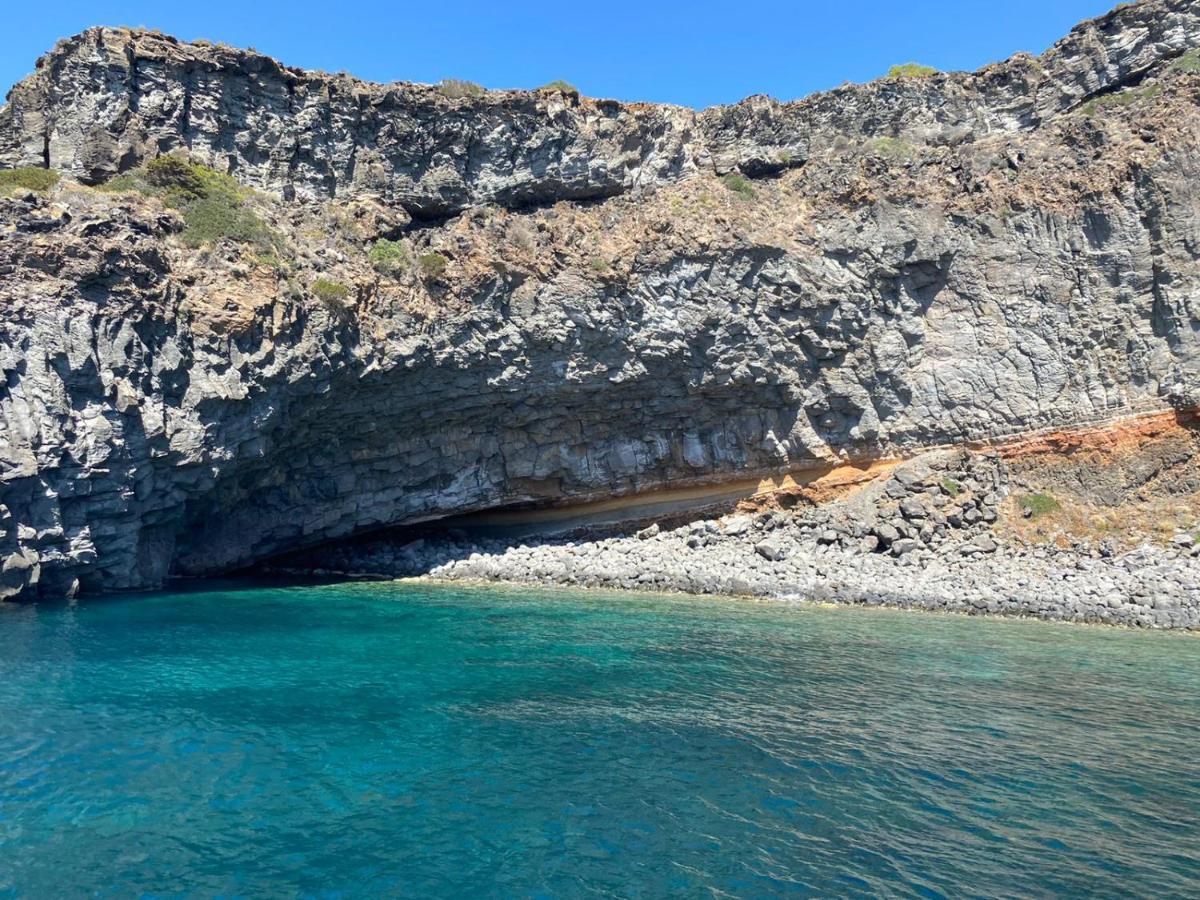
{"x":915,"y":263}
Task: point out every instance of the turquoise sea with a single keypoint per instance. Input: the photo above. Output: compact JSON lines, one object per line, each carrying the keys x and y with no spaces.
{"x":367,"y":740}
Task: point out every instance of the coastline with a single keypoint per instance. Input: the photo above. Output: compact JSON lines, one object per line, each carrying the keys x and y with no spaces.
{"x":936,"y":533}
{"x":441,"y":581}
{"x":517,"y":567}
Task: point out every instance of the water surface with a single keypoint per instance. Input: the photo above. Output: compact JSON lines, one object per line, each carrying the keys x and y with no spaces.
{"x":366,"y":740}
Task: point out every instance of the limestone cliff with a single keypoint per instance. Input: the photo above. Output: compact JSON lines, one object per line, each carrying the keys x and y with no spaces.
{"x":618,"y":297}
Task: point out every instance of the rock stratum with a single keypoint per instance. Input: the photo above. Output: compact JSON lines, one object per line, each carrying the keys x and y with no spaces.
{"x":590,"y":299}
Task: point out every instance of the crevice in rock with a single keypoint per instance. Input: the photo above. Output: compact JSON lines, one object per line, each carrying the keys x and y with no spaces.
{"x":420,"y":221}
{"x":1129,"y":81}
{"x":134,"y":98}
{"x":185,"y":115}
{"x":768,"y":170}
{"x":424,"y":217}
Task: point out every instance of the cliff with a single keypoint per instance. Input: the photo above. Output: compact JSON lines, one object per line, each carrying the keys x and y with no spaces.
{"x":590,"y":299}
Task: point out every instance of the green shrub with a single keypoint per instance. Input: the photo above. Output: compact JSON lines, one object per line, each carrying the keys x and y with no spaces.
{"x":431,"y":266}
{"x":911,"y":70}
{"x":891,"y":148}
{"x":598,"y":264}
{"x":1038,"y":504}
{"x":332,"y":293}
{"x":28,"y":178}
{"x":739,"y":184}
{"x":177,"y":176}
{"x":270,"y":261}
{"x":1189,"y":62}
{"x":213,"y":204}
{"x":211,"y":219}
{"x":457,"y":89}
{"x":563,"y":87}
{"x":951,"y":487}
{"x":1121,"y":99}
{"x":389,"y":257}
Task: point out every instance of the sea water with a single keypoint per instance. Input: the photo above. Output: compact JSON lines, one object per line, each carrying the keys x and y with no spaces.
{"x":429,"y":741}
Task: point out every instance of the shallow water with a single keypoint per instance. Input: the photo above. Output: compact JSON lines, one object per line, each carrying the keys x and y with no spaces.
{"x":366,"y":740}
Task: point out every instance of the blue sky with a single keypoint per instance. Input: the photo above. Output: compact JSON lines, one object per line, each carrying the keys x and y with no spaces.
{"x":694,"y":54}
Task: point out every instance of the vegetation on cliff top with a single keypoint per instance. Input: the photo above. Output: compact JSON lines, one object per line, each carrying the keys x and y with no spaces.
{"x":214,"y":205}
{"x":563,"y":87}
{"x":457,"y":89}
{"x":911,"y":70}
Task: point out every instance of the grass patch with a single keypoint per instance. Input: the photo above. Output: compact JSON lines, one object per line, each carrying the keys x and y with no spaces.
{"x":563,"y":87}
{"x":1189,"y":62}
{"x":457,"y":89}
{"x":598,"y":264}
{"x":1038,"y":504}
{"x":126,"y":183}
{"x":213,"y":204}
{"x":332,"y":293}
{"x":431,"y":266}
{"x":911,"y":70}
{"x":522,"y":235}
{"x":270,"y":261}
{"x":390,"y":257}
{"x":1121,"y":100}
{"x":739,"y":184}
{"x":951,"y":487}
{"x":28,"y":178}
{"x":891,"y":148}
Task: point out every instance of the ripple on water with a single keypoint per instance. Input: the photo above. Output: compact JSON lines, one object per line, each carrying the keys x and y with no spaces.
{"x":420,"y":740}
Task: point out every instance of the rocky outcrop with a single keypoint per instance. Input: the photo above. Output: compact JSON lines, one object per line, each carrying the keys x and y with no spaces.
{"x":109,"y":98}
{"x":930,"y":262}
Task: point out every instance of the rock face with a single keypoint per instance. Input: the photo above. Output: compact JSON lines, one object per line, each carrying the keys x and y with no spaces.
{"x":910,"y":263}
{"x":107,"y":99}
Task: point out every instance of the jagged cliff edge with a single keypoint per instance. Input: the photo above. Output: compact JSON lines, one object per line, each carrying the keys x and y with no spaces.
{"x":923,"y":262}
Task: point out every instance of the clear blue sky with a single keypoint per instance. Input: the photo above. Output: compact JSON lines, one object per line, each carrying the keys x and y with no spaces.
{"x":694,"y":54}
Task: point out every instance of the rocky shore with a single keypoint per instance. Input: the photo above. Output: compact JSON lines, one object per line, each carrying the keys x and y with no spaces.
{"x":925,"y":537}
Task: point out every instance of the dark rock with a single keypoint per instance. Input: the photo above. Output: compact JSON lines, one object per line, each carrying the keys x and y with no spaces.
{"x":649,"y":532}
{"x":772,"y":549}
{"x":886,"y":534}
